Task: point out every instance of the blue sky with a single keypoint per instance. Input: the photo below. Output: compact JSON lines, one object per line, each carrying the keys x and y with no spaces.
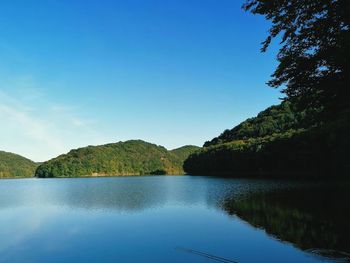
{"x":77,"y":73}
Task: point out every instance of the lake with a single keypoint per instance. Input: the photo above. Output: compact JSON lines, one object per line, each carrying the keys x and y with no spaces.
{"x":173,"y":219}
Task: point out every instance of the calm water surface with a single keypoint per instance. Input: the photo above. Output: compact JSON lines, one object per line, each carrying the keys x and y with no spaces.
{"x":172,"y":219}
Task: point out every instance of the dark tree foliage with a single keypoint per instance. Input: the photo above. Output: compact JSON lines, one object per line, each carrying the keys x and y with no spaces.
{"x":276,"y":143}
{"x":296,"y":153}
{"x":307,"y":135}
{"x":315,"y":50}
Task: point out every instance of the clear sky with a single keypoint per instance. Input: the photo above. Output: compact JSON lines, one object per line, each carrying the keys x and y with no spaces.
{"x":172,"y":72}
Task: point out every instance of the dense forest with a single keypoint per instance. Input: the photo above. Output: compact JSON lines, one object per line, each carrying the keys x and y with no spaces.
{"x":13,"y":165}
{"x":285,"y":148}
{"x":275,"y":119}
{"x":134,"y":157}
{"x":307,"y":134}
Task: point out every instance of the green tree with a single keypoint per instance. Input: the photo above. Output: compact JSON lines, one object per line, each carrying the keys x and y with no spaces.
{"x":314,"y":56}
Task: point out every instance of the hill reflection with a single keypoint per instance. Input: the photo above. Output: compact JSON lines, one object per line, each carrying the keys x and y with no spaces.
{"x":313,"y":219}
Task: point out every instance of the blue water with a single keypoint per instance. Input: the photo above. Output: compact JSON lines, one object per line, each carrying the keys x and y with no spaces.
{"x":136,"y":219}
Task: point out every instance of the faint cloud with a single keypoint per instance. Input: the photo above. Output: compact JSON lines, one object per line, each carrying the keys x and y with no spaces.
{"x":38,"y":128}
{"x":77,"y":122}
{"x":33,"y":127}
{"x":60,"y":108}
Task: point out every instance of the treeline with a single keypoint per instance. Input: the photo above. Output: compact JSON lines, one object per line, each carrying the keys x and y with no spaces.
{"x":314,"y":151}
{"x":133,"y":157}
{"x":308,"y":133}
{"x":275,"y":119}
{"x":13,"y":165}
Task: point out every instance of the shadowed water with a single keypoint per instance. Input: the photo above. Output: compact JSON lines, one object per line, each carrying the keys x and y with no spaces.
{"x":172,"y":219}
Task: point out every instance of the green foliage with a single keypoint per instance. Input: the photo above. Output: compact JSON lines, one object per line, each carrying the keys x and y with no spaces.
{"x":314,"y":56}
{"x":133,"y":157}
{"x":13,"y":165}
{"x":308,"y":133}
{"x":275,"y":119}
{"x":183,"y":152}
{"x":316,"y":151}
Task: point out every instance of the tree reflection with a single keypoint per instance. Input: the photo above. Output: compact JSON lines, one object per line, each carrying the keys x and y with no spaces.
{"x":308,"y":218}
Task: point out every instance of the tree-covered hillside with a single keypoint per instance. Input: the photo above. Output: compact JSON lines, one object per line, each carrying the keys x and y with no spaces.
{"x":314,"y":151}
{"x":183,"y":152}
{"x":308,"y":132}
{"x":275,"y":119}
{"x":13,"y":165}
{"x":133,"y":157}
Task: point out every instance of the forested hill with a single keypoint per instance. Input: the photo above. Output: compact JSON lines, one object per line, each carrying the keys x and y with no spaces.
{"x":275,"y":119}
{"x":134,"y":157}
{"x":13,"y":165}
{"x":278,"y":142}
{"x":183,"y":152}
{"x":311,"y":135}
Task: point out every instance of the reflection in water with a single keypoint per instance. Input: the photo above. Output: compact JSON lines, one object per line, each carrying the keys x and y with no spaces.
{"x":313,"y":219}
{"x":130,"y":219}
{"x":125,"y":193}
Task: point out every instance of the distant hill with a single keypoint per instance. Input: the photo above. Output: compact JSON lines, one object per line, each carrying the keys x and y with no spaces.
{"x":134,"y":157}
{"x":183,"y":152}
{"x":13,"y":165}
